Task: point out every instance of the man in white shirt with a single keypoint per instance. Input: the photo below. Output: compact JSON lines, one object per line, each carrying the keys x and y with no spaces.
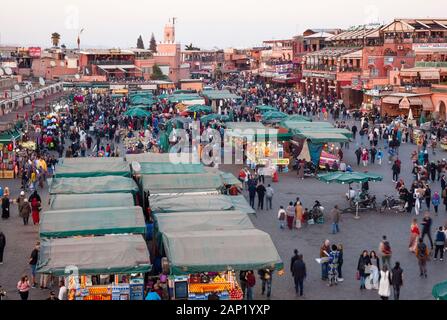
{"x":351,"y":194}
{"x":62,"y":291}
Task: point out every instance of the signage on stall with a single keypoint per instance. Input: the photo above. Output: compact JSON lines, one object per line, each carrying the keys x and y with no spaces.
{"x":34,"y":52}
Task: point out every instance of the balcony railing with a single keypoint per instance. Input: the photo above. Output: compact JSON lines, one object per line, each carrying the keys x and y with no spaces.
{"x":320,"y":67}
{"x":350,"y":69}
{"x":431,"y":40}
{"x":110,"y":62}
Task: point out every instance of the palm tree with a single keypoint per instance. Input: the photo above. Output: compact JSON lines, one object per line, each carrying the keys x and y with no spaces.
{"x":55,"y":38}
{"x":190,"y":47}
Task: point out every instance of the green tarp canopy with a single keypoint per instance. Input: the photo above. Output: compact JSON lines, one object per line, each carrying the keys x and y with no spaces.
{"x":297,"y":118}
{"x":177,"y":98}
{"x":92,"y":222}
{"x":211,"y":117}
{"x":227,"y":177}
{"x":181,"y":183}
{"x":159,"y":157}
{"x":220,"y":95}
{"x":245,"y":126}
{"x":91,"y":160}
{"x":137,"y":112}
{"x":346,"y":133}
{"x":202,"y":221}
{"x":140,"y":106}
{"x":170,"y":168}
{"x":322,"y":137}
{"x":298,"y":125}
{"x":109,"y":184}
{"x":216,"y":251}
{"x":198,"y":203}
{"x":114,"y":254}
{"x":264,"y":109}
{"x":349,"y":177}
{"x":200,"y":108}
{"x":273,"y":115}
{"x":94,"y":200}
{"x":439,"y":291}
{"x":93,"y":169}
{"x":9,"y":136}
{"x":251,"y":131}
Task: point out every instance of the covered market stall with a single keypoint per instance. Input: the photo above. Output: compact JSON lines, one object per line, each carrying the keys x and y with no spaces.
{"x":9,"y":140}
{"x":92,"y":258}
{"x":93,"y":200}
{"x":182,"y":183}
{"x":198,"y":203}
{"x":92,"y":222}
{"x":107,"y":184}
{"x":202,"y":262}
{"x":82,"y":169}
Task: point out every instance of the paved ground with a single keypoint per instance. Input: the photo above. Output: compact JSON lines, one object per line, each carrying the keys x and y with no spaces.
{"x":356,"y":235}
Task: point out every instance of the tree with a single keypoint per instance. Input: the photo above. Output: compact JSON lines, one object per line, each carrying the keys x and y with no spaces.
{"x":140,"y":43}
{"x":153,"y":44}
{"x":55,"y":38}
{"x":190,"y":47}
{"x":157,"y":74}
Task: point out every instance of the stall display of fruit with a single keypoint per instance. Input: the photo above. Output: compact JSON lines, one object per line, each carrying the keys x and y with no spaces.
{"x":236,"y":294}
{"x":99,"y":291}
{"x":208,"y":287}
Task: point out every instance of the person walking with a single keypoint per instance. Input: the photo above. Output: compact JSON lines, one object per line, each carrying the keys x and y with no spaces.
{"x":251,"y":282}
{"x":243,"y":281}
{"x":385,"y":251}
{"x":385,"y":283}
{"x":336,"y":217}
{"x":5,"y":206}
{"x":24,"y":208}
{"x":415,"y":233}
{"x":2,"y":246}
{"x":363,"y":262}
{"x":266,"y":279}
{"x":269,"y":196}
{"x":252,"y":191}
{"x":23,"y":286}
{"x":261,"y":190}
{"x":358,"y":154}
{"x":439,"y":244}
{"x":33,"y":263}
{"x":397,"y":280}
{"x":293,"y":259}
{"x":298,"y":215}
{"x":422,"y":256}
{"x":290,"y":215}
{"x":340,"y":263}
{"x":396,"y":171}
{"x":436,"y":201}
{"x":365,"y":157}
{"x":427,"y":196}
{"x":282,"y":217}
{"x":299,"y":273}
{"x":324,"y":255}
{"x":426,"y":228}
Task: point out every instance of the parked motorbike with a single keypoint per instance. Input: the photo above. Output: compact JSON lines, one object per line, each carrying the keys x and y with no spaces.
{"x":392,"y":204}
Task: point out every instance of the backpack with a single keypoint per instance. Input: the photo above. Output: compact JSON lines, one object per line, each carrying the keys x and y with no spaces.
{"x":386,"y":248}
{"x":422,"y":250}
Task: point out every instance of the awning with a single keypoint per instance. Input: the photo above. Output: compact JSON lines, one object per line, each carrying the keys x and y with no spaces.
{"x":353,"y":55}
{"x":322,"y":137}
{"x":117,"y":254}
{"x":93,"y":169}
{"x":107,"y":184}
{"x":198,"y":203}
{"x":94,"y":200}
{"x":404,"y":73}
{"x":181,"y":183}
{"x":415,"y":101}
{"x":392,"y":100}
{"x":427,"y":104}
{"x":217,"y":251}
{"x":92,"y":222}
{"x":432,"y":75}
{"x":170,"y":168}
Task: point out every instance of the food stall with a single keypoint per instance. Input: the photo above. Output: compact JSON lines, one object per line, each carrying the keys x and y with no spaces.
{"x":205,"y":262}
{"x":93,"y":261}
{"x":92,"y":222}
{"x":198,"y":203}
{"x":8,"y":143}
{"x":98,"y":168}
{"x":93,"y":200}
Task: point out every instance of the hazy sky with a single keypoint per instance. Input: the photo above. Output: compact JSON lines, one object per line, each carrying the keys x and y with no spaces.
{"x":205,"y":23}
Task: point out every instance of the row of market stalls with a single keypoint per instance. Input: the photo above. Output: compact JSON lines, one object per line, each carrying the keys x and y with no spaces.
{"x":202,"y":236}
{"x":93,"y":233}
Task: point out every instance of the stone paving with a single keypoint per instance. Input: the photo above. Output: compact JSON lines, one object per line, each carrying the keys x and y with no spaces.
{"x":355,"y":235}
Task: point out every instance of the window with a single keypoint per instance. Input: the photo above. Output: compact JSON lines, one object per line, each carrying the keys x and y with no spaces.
{"x":374,"y":72}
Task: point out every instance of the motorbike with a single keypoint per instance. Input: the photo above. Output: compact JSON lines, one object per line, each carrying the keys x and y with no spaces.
{"x":309,"y":169}
{"x":367,"y":202}
{"x":317,"y":214}
{"x":392,"y":204}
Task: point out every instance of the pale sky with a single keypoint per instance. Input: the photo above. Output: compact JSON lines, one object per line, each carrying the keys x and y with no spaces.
{"x":205,"y":23}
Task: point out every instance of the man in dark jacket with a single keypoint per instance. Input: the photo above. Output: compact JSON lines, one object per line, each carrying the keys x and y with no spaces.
{"x":261,"y":190}
{"x":294,"y":258}
{"x":397,"y":280}
{"x":354,"y":131}
{"x":2,"y":246}
{"x":299,"y":274}
{"x":358,"y":154}
{"x":252,"y":191}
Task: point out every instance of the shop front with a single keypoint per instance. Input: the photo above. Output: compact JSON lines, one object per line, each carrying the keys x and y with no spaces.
{"x":8,"y":147}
